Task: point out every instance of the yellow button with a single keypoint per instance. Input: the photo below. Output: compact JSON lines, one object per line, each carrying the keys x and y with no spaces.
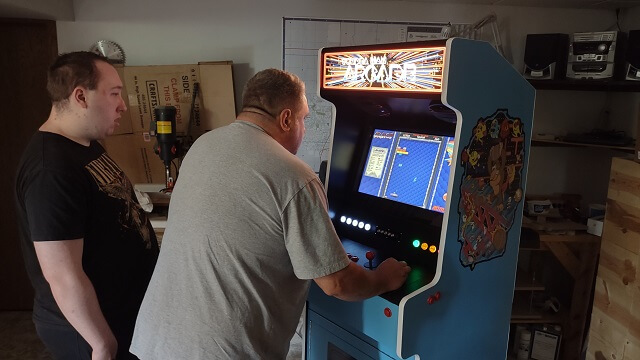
{"x":424,"y":246}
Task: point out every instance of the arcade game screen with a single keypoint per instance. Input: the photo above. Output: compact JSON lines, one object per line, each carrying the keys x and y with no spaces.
{"x":407,"y":167}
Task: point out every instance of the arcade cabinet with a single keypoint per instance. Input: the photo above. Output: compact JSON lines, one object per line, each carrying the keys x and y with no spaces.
{"x":428,"y":164}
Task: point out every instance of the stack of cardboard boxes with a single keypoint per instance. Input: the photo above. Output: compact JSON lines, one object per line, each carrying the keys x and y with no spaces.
{"x":147,"y":87}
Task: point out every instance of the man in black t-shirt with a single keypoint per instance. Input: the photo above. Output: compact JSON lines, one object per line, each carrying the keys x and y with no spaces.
{"x":89,"y":248}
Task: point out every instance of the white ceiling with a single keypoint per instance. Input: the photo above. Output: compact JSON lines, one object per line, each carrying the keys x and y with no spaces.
{"x":574,"y":4}
{"x":63,"y":9}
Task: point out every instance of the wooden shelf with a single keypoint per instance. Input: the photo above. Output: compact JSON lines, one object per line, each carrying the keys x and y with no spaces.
{"x":580,"y":237}
{"x":525,"y":282}
{"x":522,"y":314}
{"x":587,"y":85}
{"x":559,"y":143}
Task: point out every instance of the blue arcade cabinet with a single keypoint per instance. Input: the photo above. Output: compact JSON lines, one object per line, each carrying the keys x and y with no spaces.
{"x":428,"y":164}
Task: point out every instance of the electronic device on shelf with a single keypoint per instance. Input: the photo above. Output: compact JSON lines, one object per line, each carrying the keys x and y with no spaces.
{"x":545,"y":56}
{"x":596,"y":55}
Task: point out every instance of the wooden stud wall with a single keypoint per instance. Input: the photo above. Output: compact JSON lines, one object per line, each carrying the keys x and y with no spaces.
{"x":615,"y":320}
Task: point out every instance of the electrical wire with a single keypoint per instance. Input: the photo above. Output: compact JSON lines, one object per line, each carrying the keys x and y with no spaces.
{"x":173,"y":162}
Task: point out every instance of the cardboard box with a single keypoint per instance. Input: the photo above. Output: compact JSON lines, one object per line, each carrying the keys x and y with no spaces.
{"x":173,"y":85}
{"x":125,"y":119}
{"x":152,"y":86}
{"x":135,"y":156}
{"x":217,"y":95}
{"x":148,"y":87}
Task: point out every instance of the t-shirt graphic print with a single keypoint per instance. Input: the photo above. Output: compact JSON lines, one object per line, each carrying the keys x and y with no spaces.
{"x":112,"y":181}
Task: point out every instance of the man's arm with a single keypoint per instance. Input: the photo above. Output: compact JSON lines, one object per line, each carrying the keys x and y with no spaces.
{"x":61,"y":263}
{"x":355,"y":283}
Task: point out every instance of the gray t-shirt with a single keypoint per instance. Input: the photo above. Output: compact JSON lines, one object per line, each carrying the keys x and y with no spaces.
{"x":247,"y":227}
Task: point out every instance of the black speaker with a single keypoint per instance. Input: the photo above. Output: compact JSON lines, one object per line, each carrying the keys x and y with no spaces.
{"x":632,"y":57}
{"x":545,"y":56}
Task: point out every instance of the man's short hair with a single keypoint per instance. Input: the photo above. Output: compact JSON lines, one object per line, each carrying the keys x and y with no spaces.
{"x":71,"y":70}
{"x":273,"y":90}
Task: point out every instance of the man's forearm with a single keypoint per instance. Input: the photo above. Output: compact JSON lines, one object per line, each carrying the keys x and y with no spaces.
{"x":77,"y":300}
{"x":355,"y":284}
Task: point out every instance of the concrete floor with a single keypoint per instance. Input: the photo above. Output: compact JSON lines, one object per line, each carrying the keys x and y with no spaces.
{"x":19,"y":341}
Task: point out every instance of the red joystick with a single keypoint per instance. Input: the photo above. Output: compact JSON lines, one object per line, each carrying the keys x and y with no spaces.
{"x":370,"y":255}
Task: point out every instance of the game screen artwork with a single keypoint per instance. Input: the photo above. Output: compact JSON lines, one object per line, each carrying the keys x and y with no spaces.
{"x":491,"y":187}
{"x":409,"y":168}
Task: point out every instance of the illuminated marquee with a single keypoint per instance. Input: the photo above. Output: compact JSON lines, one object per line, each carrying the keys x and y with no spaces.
{"x":404,"y":70}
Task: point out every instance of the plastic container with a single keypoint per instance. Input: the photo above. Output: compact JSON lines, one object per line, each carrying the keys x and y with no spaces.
{"x":524,"y":344}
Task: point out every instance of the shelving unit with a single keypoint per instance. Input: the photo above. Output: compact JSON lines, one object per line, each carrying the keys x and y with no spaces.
{"x":591,"y":86}
{"x":587,"y":85}
{"x":560,"y":143}
{"x":578,"y":255}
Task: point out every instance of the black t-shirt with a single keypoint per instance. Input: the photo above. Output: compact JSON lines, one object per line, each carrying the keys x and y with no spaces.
{"x":66,"y":191}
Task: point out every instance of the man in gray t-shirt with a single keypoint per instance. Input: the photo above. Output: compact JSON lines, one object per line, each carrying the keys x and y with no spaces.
{"x":247,"y":229}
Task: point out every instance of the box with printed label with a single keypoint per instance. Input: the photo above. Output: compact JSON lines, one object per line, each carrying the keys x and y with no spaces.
{"x":135,"y":156}
{"x":149,"y":87}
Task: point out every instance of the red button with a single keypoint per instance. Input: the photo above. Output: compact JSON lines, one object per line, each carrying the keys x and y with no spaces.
{"x":431,"y":300}
{"x":437,"y":295}
{"x":387,"y":312}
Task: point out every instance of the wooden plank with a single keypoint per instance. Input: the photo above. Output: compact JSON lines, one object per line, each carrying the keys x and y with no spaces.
{"x":634,"y":318}
{"x":622,"y":225}
{"x":615,"y":320}
{"x":581,"y":237}
{"x":627,"y":167}
{"x":615,"y":283}
{"x":606,"y":337}
{"x":632,"y":349}
{"x":601,"y":350}
{"x":618,"y":266}
{"x":526,"y":281}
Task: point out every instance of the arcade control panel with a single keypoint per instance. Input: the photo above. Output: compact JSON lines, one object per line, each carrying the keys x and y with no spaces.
{"x":371,"y":247}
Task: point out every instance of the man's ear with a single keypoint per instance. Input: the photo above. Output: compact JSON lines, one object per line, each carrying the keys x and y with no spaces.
{"x":79,"y":96}
{"x":285,"y":119}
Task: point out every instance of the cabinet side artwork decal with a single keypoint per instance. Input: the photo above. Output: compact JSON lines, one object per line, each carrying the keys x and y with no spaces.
{"x":491,"y":187}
